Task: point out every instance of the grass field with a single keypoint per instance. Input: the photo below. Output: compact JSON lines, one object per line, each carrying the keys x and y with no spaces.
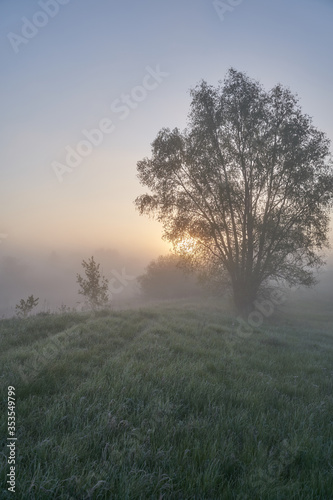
{"x":167,"y":402}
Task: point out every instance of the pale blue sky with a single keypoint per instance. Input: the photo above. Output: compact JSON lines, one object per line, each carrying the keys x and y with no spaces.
{"x":91,"y":52}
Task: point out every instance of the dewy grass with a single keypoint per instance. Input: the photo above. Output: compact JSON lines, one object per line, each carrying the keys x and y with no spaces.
{"x":169,"y":403}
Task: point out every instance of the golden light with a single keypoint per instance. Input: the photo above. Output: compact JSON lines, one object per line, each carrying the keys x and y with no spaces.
{"x":186,"y":245}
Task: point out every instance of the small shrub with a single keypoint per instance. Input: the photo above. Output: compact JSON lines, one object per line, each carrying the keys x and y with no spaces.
{"x":24,"y":308}
{"x":95,"y":286}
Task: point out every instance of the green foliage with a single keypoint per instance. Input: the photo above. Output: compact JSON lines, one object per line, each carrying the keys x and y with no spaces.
{"x":250,"y":180}
{"x":170,"y":403}
{"x":95,"y":286}
{"x":24,"y":308}
{"x":166,"y":278}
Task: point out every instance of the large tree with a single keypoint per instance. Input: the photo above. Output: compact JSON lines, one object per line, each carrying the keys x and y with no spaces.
{"x":250,"y":181}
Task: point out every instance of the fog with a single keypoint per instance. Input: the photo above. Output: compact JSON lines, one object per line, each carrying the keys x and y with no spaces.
{"x":51,"y":276}
{"x":323,"y":292}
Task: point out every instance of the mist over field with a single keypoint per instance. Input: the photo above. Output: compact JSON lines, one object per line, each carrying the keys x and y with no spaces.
{"x":51,"y":276}
{"x":166,"y":250}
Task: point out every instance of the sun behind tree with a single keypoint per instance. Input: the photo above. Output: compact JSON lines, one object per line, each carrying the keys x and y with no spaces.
{"x":185,"y":246}
{"x":250,"y":180}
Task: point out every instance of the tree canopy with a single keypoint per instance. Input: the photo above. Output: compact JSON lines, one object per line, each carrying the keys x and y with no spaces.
{"x":165,"y":278}
{"x":250,"y":181}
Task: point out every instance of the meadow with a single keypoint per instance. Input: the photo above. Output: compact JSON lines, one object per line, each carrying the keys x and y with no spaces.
{"x":168,"y":402}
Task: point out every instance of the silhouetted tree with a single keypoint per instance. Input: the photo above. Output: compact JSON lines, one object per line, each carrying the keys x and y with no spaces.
{"x":166,"y":278}
{"x":250,"y":181}
{"x":95,"y":286}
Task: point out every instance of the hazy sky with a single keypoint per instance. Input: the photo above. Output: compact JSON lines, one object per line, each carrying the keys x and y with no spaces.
{"x":127,"y":67}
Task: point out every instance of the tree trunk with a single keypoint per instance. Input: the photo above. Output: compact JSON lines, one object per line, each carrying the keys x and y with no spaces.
{"x":244,"y":296}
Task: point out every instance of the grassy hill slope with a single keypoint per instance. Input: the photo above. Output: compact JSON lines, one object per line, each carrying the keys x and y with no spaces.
{"x":169,"y":403}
